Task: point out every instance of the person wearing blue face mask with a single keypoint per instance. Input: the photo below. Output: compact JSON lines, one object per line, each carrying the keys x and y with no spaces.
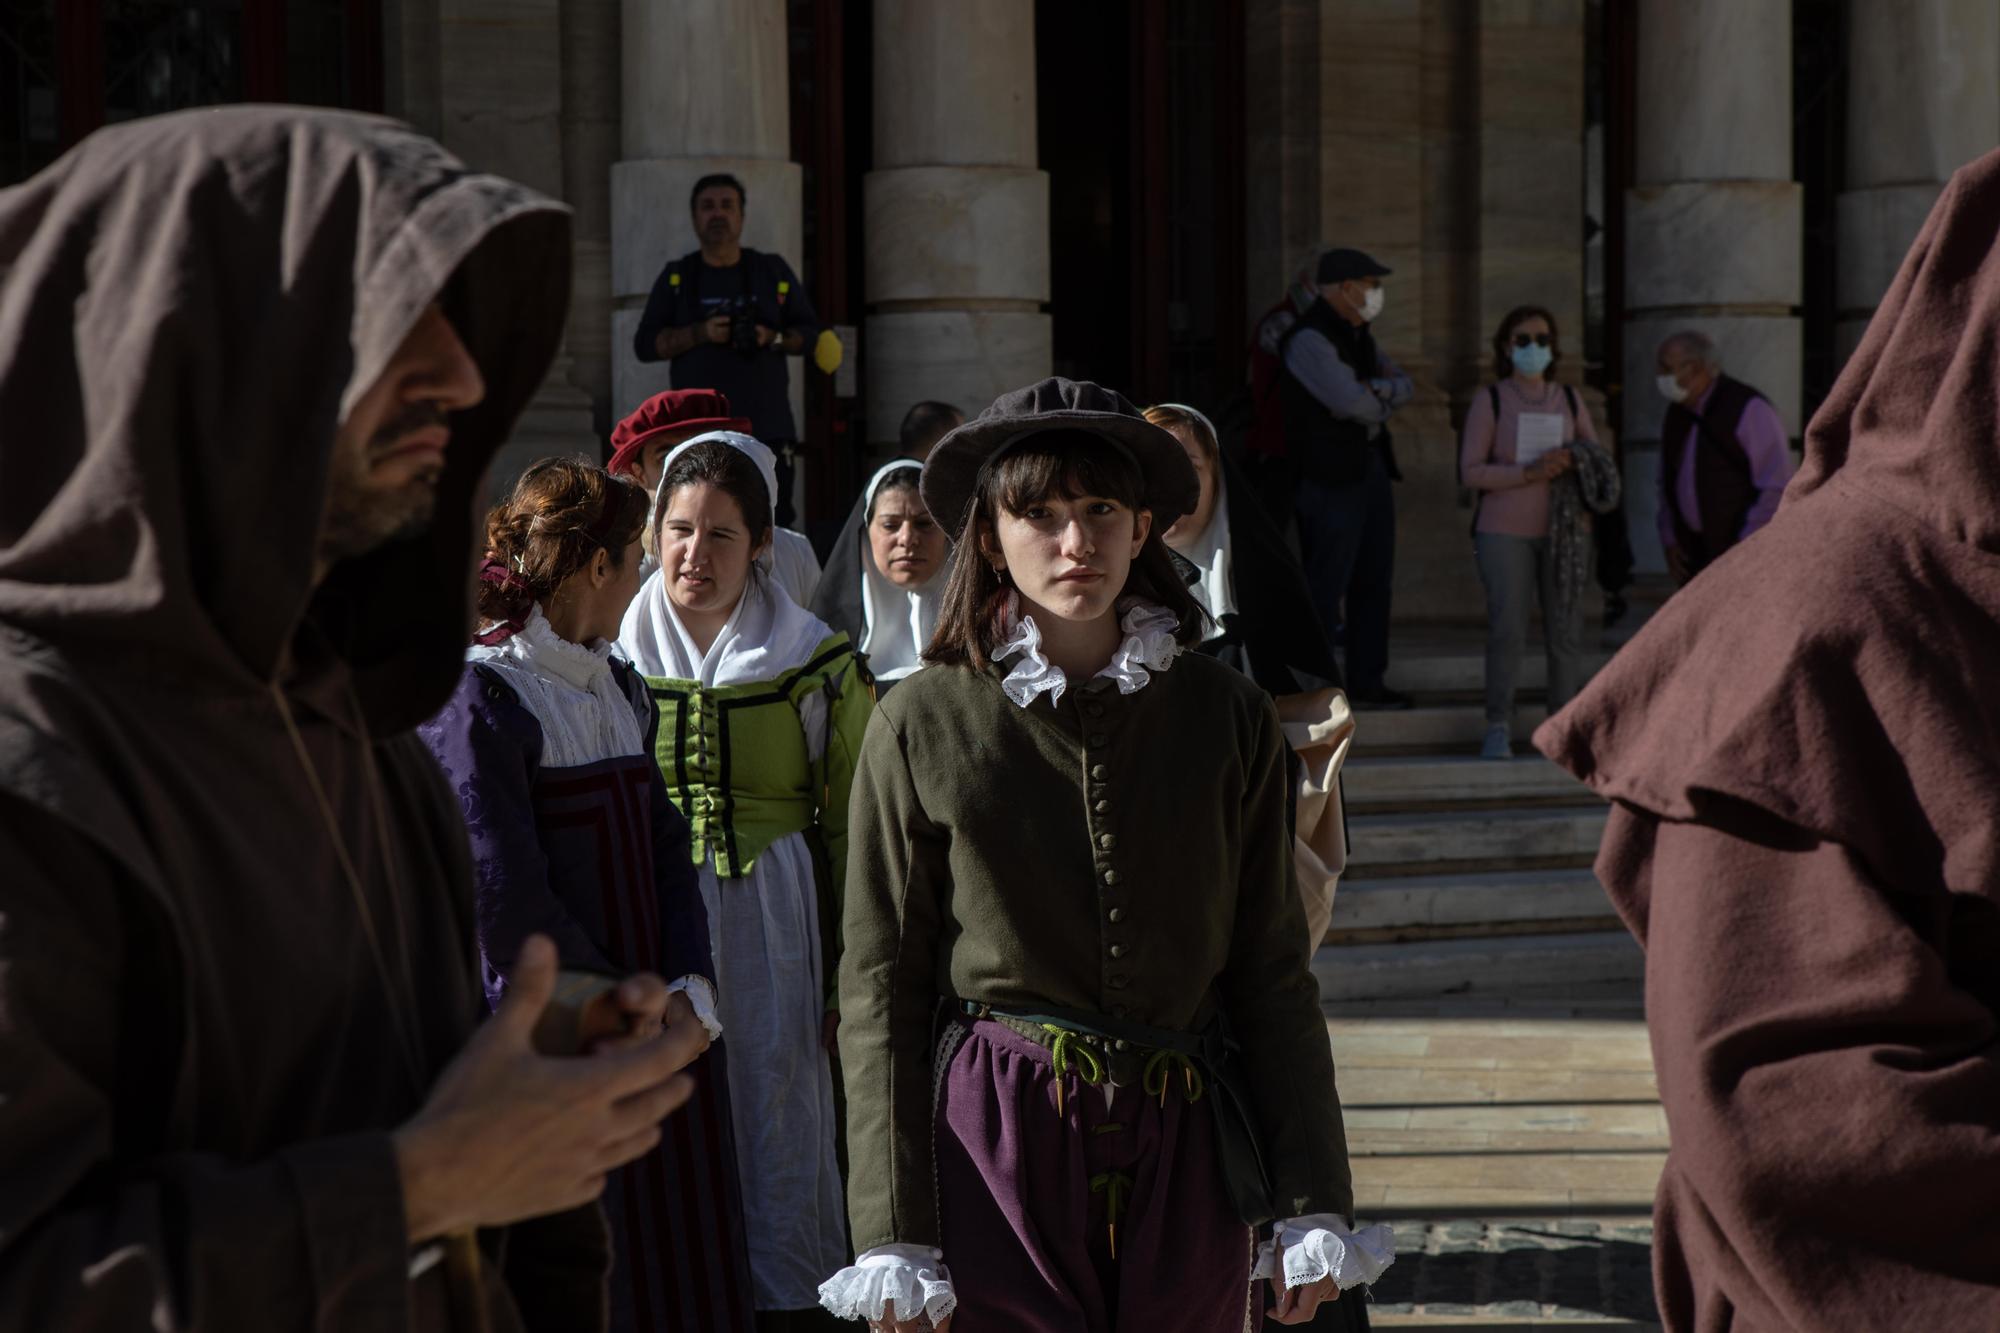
{"x":1530,"y":451}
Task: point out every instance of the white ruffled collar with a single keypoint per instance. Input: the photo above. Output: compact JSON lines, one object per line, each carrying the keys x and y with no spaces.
{"x":537,"y":645}
{"x":1149,"y":645}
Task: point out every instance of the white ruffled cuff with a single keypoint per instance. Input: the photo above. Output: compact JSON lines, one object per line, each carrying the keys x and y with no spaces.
{"x":1321,"y":1246}
{"x":909,"y":1276}
{"x":701,"y":998}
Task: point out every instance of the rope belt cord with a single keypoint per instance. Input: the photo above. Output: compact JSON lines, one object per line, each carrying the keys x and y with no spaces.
{"x":1159,"y":1072}
{"x":1066,"y":1047}
{"x":1114,"y":1186}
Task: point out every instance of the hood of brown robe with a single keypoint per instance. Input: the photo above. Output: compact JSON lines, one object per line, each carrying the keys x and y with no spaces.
{"x":188,"y":307}
{"x":1839,"y":669}
{"x":1804,"y":746}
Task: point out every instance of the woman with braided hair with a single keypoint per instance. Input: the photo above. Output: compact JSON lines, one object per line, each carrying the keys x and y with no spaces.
{"x":547,"y":743}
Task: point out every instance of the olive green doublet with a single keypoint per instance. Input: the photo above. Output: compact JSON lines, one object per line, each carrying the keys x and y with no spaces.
{"x":1122,"y":854}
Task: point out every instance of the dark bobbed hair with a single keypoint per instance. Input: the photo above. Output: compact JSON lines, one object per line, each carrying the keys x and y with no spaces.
{"x":1503,"y":351}
{"x":560,"y":514}
{"x":906,"y":478}
{"x":719,"y":178}
{"x":925,"y":424}
{"x":730,"y":471}
{"x":1072,"y":464}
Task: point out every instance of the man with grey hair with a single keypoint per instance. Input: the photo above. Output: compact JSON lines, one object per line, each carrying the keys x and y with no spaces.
{"x":1725,"y":458}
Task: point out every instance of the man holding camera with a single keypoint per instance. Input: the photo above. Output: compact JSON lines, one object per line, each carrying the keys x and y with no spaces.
{"x":727,"y":317}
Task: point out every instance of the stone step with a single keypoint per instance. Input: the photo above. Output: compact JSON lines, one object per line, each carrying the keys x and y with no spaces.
{"x":1421,"y":901}
{"x":1452,"y":727}
{"x":1495,"y":965}
{"x":1410,"y":780}
{"x":1464,"y":671}
{"x":1386,"y":844}
{"x":1458,"y":1323}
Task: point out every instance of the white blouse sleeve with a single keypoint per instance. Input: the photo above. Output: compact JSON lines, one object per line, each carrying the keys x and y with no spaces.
{"x":701,"y":998}
{"x":908,"y":1276}
{"x":1322,"y":1246}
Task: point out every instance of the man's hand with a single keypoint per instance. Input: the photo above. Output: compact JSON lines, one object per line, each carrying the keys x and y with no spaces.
{"x":715,"y":329}
{"x":765,"y":335}
{"x":829,"y":1033}
{"x":507,"y":1134}
{"x":1298,"y":1305}
{"x":1550,"y":465}
{"x":1677,"y":565}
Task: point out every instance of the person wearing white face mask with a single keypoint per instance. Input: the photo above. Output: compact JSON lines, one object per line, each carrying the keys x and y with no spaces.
{"x":1725,"y":456}
{"x":1530,"y":450}
{"x":1338,"y":391}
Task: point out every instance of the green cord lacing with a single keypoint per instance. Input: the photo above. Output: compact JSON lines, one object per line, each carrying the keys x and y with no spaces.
{"x":1065,"y":1046}
{"x":1113,"y":1185}
{"x":1159,"y":1071}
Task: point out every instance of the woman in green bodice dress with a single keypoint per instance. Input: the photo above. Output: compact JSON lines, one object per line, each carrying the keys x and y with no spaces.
{"x":762,"y":710}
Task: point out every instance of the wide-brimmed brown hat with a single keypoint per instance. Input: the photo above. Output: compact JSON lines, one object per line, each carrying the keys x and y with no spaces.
{"x":957,"y":466}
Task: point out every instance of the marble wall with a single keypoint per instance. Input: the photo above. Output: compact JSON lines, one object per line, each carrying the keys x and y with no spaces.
{"x":1906,"y":135}
{"x":955,"y":212}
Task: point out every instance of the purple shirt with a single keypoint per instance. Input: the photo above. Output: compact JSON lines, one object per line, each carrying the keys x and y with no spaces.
{"x":1762,"y":435}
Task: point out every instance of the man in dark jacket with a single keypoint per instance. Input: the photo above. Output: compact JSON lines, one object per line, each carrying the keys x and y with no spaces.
{"x":240,"y":1083}
{"x":1725,"y":458}
{"x":1338,"y":391}
{"x":728,"y":317}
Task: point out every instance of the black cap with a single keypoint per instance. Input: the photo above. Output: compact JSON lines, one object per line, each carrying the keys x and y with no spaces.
{"x":1346,"y":265}
{"x":956,"y":467}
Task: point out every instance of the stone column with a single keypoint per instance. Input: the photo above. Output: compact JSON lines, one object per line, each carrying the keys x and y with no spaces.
{"x":485,"y":77}
{"x":706,"y":89}
{"x":1923,"y":99}
{"x":1714,"y":217}
{"x":956,"y":213}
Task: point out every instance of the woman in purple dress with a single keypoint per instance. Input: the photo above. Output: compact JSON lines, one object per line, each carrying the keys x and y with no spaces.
{"x":548,"y":743}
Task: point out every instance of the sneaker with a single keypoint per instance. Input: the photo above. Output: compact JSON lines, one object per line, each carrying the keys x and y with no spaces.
{"x":1498,"y":744}
{"x":1381,"y":699}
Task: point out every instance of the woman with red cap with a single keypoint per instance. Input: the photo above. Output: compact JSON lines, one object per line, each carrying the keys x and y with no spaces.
{"x":639,"y":447}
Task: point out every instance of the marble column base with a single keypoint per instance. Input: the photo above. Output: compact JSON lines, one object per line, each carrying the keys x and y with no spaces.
{"x":957,"y":233}
{"x":650,"y":222}
{"x":963,"y":357}
{"x":1876,"y":228}
{"x":1695,"y":243}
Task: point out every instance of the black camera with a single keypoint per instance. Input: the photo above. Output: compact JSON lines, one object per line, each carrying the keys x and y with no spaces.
{"x":742,"y":312}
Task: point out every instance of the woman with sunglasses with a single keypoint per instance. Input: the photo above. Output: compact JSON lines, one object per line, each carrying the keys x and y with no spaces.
{"x":1530,"y":450}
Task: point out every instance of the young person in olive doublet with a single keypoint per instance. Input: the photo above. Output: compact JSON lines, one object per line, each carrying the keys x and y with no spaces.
{"x":1047,"y":909}
{"x":256,"y":362}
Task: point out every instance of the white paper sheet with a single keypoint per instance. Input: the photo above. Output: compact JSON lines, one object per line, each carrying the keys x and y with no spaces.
{"x":1537,"y":433}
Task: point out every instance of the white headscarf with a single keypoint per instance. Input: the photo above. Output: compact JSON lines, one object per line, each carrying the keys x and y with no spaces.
{"x":766,"y":634}
{"x":1209,"y":552}
{"x":789,"y":559}
{"x":898,"y":620}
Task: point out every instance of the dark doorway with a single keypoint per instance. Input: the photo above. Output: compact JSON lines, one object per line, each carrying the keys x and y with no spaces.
{"x":1140,"y":113}
{"x":70,"y":66}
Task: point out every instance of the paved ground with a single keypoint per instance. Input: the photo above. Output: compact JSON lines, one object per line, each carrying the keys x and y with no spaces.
{"x":1515,"y":1147}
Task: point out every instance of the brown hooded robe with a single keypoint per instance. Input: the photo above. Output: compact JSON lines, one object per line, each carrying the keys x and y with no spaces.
{"x":198,"y":1063}
{"x":1804,"y":753}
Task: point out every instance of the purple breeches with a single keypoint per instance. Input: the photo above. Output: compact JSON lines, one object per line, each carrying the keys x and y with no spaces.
{"x":1026,"y":1199}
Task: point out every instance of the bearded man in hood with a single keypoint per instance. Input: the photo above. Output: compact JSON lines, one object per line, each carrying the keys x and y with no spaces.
{"x":256,"y":361}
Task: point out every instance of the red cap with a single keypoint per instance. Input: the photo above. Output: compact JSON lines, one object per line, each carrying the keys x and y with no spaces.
{"x":676,"y":410}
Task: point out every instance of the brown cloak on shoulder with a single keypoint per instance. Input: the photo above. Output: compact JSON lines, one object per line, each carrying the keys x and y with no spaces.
{"x":1803,"y":750}
{"x":199,"y":1062}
